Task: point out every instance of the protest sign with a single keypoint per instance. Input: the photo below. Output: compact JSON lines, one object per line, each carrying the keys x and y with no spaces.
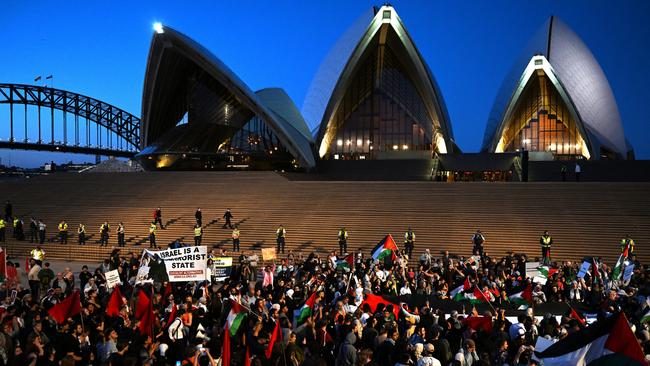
{"x":113,"y":278}
{"x":583,"y":269}
{"x":221,"y":268}
{"x":268,"y":254}
{"x":174,"y":265}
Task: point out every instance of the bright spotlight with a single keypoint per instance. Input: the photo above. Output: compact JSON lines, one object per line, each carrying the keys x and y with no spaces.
{"x":158,"y":27}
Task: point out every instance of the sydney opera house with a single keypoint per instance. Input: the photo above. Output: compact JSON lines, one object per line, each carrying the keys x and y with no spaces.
{"x":375,"y":101}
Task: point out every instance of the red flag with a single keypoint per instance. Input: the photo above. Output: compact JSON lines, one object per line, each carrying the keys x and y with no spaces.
{"x":225,"y":353}
{"x":247,"y":360}
{"x":114,"y":303}
{"x":144,"y":313}
{"x":67,"y":308}
{"x":3,"y":263}
{"x":374,"y":300}
{"x":478,"y":322}
{"x":172,"y":315}
{"x":577,"y":317}
{"x":275,"y":336}
{"x":27,"y":265}
{"x":621,"y":340}
{"x":168,"y":291}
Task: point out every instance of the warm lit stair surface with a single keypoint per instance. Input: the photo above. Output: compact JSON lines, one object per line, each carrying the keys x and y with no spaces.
{"x":585,"y":219}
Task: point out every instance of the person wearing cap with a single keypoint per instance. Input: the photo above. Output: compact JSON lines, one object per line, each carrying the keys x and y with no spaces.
{"x":427,"y":358}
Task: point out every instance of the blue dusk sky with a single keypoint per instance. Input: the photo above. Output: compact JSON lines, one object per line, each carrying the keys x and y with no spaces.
{"x":100,"y":49}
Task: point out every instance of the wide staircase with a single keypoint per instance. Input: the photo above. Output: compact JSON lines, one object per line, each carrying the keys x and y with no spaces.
{"x":585,"y":219}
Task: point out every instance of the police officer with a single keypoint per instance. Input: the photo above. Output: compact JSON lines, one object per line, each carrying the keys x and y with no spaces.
{"x":103,"y":234}
{"x":235,"y":239}
{"x":198,"y":234}
{"x":120,"y":235}
{"x":81,"y":233}
{"x":409,"y":241}
{"x":478,"y":239}
{"x":2,"y":229}
{"x":38,"y":254}
{"x":152,"y":235}
{"x":63,"y":232}
{"x":228,"y":217}
{"x":546,"y":241}
{"x":343,"y":241}
{"x":279,"y":238}
{"x":627,"y":243}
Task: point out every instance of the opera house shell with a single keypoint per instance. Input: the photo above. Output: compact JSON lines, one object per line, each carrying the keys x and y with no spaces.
{"x":556,"y":103}
{"x":374,"y":97}
{"x":197,"y":114}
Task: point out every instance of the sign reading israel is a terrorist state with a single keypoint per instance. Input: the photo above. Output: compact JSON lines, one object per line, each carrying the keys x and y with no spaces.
{"x":181,"y":264}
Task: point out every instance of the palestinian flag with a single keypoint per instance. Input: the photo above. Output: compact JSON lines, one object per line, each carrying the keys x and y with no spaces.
{"x":618,"y":269}
{"x":606,"y":342}
{"x":385,"y":248}
{"x":235,"y":317}
{"x":574,"y":315}
{"x":346,"y":262}
{"x":307,"y":309}
{"x":464,"y":287}
{"x":524,"y":297}
{"x":547,"y":271}
{"x":474,"y":297}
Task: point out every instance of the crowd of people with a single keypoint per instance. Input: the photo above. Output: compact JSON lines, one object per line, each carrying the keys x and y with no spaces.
{"x":341,"y":329}
{"x":307,"y":309}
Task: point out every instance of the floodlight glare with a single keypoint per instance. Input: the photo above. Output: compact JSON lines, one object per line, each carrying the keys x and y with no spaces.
{"x":158,"y":27}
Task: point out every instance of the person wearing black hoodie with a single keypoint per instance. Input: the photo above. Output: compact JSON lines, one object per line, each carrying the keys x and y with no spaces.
{"x":348,"y":352}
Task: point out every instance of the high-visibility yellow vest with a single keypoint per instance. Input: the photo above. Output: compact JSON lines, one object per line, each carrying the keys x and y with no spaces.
{"x":16,"y":222}
{"x":38,"y":254}
{"x":343,"y":234}
{"x":280,"y":233}
{"x":546,"y":241}
{"x":409,"y":236}
{"x":2,"y":224}
{"x":198,"y":231}
{"x":624,"y":244}
{"x":235,"y":234}
{"x":152,"y":229}
{"x":81,"y":230}
{"x":63,"y":226}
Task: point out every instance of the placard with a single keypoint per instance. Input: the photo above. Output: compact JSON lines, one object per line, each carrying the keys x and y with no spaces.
{"x":532,"y":269}
{"x":268,"y":254}
{"x":113,"y":279}
{"x":583,"y":269}
{"x":627,"y":274}
{"x":174,"y":265}
{"x":221,"y":268}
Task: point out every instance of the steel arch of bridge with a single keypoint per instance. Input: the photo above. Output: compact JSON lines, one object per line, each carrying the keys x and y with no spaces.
{"x":124,"y":125}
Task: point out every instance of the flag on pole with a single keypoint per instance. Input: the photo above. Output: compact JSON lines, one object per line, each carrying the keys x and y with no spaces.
{"x":3,"y":264}
{"x":606,"y":342}
{"x":225,"y":353}
{"x":49,"y":77}
{"x":547,"y":271}
{"x":114,"y":303}
{"x":275,"y":336}
{"x":144,"y":313}
{"x":524,"y":297}
{"x":618,"y":268}
{"x":307,"y":309}
{"x":464,"y":287}
{"x":385,"y":248}
{"x":235,"y":317}
{"x":67,"y":308}
{"x":38,"y":78}
{"x":478,"y":322}
{"x":346,"y":262}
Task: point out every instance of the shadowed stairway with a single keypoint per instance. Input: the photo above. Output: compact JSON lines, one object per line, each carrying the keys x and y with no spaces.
{"x":584,"y":219}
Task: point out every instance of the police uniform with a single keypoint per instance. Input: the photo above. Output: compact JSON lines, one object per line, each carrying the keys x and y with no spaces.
{"x":409,"y":241}
{"x":279,"y":238}
{"x":198,"y":235}
{"x":343,"y":241}
{"x":2,"y":229}
{"x":81,"y":232}
{"x":63,"y":232}
{"x":546,"y":241}
{"x":152,"y":235}
{"x":235,"y":240}
{"x":625,"y":244}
